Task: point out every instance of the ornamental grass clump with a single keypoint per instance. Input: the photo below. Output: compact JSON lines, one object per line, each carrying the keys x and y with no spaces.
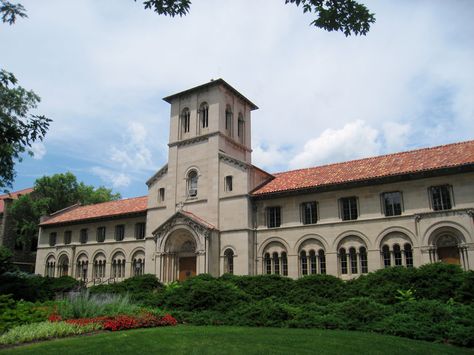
{"x":85,"y":305}
{"x":45,"y":330}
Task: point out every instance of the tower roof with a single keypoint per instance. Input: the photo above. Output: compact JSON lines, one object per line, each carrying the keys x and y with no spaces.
{"x":219,"y":81}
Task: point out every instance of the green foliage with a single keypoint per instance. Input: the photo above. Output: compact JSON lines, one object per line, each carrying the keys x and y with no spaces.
{"x":18,"y":128}
{"x":29,"y":287}
{"x":85,"y":305}
{"x":51,"y":194}
{"x":438,"y":281}
{"x":14,"y":313}
{"x":465,"y":292}
{"x":263,"y":313}
{"x":44,"y":330}
{"x":9,"y":11}
{"x":5,"y":260}
{"x":168,"y":7}
{"x":317,"y":289}
{"x":405,"y":296}
{"x":203,"y":293}
{"x":262,"y":286}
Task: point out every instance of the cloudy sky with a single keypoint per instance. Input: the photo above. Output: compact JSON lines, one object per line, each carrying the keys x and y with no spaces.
{"x":102,"y":67}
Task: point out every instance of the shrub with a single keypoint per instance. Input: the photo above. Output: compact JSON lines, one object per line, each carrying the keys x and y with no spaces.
{"x":14,"y":313}
{"x":44,"y":330}
{"x":203,"y":293}
{"x":85,"y":305}
{"x":320,"y":289}
{"x":383,"y":285}
{"x":438,"y":281}
{"x":465,"y":292}
{"x":262,"y":286}
{"x":263,"y":313}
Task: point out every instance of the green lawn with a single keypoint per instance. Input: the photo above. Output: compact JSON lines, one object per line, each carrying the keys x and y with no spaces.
{"x":235,"y":340}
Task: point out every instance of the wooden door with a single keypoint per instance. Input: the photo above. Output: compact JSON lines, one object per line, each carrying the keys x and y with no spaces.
{"x":449,"y":255}
{"x":187,"y":267}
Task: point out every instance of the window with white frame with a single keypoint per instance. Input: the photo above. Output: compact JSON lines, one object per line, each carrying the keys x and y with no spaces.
{"x":309,"y":214}
{"x":241,"y":129}
{"x":204,"y":115}
{"x":273,"y":217}
{"x":349,"y":210}
{"x":392,"y":203}
{"x":185,"y":120}
{"x":441,"y":197}
{"x":100,"y":234}
{"x":228,"y":183}
{"x":192,"y":183}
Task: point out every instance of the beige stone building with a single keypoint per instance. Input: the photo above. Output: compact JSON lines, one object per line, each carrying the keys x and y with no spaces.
{"x":209,"y":210}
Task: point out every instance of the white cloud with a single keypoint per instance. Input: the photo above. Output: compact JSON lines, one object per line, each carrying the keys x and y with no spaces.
{"x":354,"y":140}
{"x":267,"y":156}
{"x":396,"y":136}
{"x":112,"y":178}
{"x":133,"y":152}
{"x":39,"y":150}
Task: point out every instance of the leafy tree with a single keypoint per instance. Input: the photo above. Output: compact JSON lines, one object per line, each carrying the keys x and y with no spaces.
{"x":347,"y":16}
{"x":5,"y":260}
{"x":18,"y":127}
{"x":51,"y":194}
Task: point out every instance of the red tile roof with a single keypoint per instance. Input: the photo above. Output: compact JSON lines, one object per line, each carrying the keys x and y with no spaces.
{"x":421,"y":160}
{"x":198,"y":219}
{"x":14,"y":195}
{"x":100,"y":210}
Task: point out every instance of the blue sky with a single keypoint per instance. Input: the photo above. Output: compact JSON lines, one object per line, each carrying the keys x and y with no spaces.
{"x":102,"y":68}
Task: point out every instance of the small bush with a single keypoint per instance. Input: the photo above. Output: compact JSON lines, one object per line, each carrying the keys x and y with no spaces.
{"x":14,"y":313}
{"x":263,"y":313}
{"x":438,"y":281}
{"x":262,"y":286}
{"x":320,"y":289}
{"x":44,"y":330}
{"x":85,"y":305}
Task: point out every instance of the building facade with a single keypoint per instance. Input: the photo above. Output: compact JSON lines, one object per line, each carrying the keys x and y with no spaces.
{"x":209,"y":210}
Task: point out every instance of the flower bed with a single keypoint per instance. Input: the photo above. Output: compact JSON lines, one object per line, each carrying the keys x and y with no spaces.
{"x":121,"y":322}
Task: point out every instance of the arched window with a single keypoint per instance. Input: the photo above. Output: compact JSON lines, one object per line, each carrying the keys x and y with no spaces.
{"x":50,"y":266}
{"x":312,"y":262}
{"x":204,"y":115}
{"x":284,"y":264}
{"x":386,"y":256}
{"x":63,"y":266}
{"x":353,"y":258}
{"x":241,"y":129}
{"x":82,"y":267}
{"x":192,"y":182}
{"x":268,"y":264}
{"x":185,"y":120}
{"x":276,"y":263}
{"x":363,"y":260}
{"x":322,"y":262}
{"x":228,"y":120}
{"x":343,"y":260}
{"x":138,"y":263}
{"x":397,"y":254}
{"x":304,"y":263}
{"x":229,"y":261}
{"x":408,"y":255}
{"x":118,"y":266}
{"x":99,"y":266}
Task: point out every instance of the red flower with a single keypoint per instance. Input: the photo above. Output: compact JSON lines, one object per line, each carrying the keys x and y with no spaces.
{"x":54,"y":317}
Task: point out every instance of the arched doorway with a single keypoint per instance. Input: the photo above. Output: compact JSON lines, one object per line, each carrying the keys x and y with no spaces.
{"x":180,"y":256}
{"x":63,"y":266}
{"x":448,"y":249}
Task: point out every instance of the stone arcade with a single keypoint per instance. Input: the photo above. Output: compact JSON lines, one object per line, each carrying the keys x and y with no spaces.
{"x":209,"y":210}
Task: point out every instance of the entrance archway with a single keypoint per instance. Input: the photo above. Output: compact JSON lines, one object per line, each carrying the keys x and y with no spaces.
{"x":448,"y":249}
{"x":180,"y":262}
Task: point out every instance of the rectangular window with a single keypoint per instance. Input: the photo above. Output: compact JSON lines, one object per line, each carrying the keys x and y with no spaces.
{"x":392,"y":203}
{"x":52,"y":239}
{"x":161,"y":195}
{"x":441,"y":197}
{"x":119,"y":232}
{"x":273,"y":217}
{"x":83,"y":236}
{"x":139,"y":230}
{"x":348,"y":208}
{"x":309,"y":212}
{"x":228,"y":183}
{"x":67,"y":237}
{"x":101,"y":234}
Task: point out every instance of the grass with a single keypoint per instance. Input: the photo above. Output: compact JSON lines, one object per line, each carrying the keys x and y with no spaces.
{"x":236,"y":340}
